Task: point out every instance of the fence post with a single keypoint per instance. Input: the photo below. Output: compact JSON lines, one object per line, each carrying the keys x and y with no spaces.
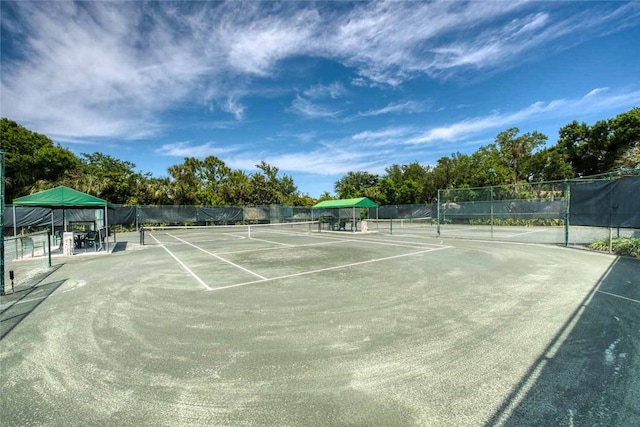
{"x":2,"y":222}
{"x":567,"y":196}
{"x":491,"y":190}
{"x":48,"y":248}
{"x":438,"y":210}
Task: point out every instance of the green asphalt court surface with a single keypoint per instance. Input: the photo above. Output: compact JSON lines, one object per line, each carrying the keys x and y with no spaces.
{"x":329,"y":329}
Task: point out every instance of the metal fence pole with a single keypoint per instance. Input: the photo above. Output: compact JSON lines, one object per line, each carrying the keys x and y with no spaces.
{"x":567,"y":196}
{"x":1,"y":222}
{"x":48,"y":249}
{"x":491,"y":191}
{"x":438,"y":225}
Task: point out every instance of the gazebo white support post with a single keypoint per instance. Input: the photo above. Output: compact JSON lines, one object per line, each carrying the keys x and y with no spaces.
{"x":15,"y":225}
{"x":353,"y":220}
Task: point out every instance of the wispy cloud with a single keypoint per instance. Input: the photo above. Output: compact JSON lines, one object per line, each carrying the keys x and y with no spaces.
{"x":233,"y":106}
{"x":596,"y":91}
{"x":187,"y":149}
{"x":307,"y":108}
{"x":377,"y":149}
{"x":396,"y":108}
{"x":594,"y":102}
{"x":317,"y":162}
{"x":334,"y":90}
{"x":112,"y":69}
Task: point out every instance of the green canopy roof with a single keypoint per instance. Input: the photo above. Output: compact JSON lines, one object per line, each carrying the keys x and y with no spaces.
{"x":61,"y":197}
{"x":359,"y":202}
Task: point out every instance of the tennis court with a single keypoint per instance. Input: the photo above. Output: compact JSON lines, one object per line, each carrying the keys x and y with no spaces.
{"x":574,"y":235}
{"x":291,"y":326}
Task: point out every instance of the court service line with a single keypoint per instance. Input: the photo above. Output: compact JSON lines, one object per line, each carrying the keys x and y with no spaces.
{"x":401,"y":244}
{"x":269,"y":241}
{"x":523,"y":233}
{"x":337,"y":267}
{"x":194,"y":275}
{"x":242,"y":251}
{"x":219,"y":257}
{"x":602,"y":292}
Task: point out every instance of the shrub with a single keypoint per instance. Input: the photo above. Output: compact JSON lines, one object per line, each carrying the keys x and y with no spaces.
{"x":625,"y":246}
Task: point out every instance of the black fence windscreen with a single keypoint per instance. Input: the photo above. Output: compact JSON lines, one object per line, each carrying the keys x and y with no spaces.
{"x":606,"y":203}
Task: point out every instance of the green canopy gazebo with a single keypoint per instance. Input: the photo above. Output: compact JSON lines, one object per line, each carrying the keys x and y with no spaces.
{"x":63,"y":198}
{"x":341,"y":204}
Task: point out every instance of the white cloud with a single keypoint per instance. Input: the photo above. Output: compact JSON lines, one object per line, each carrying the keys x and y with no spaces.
{"x":376,"y":149}
{"x":186,"y":149}
{"x":337,"y":160}
{"x":112,"y":69}
{"x":333,"y":91}
{"x":596,"y":91}
{"x":311,"y":110}
{"x":233,"y":106}
{"x":383,"y":135}
{"x":395,"y":108}
{"x":595,"y":101}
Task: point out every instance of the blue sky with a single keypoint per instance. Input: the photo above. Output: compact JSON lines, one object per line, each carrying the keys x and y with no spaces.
{"x":316,"y":89}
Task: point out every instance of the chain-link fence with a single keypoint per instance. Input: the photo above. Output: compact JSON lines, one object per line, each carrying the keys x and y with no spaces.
{"x":30,"y":219}
{"x":559,"y":212}
{"x":573,"y":212}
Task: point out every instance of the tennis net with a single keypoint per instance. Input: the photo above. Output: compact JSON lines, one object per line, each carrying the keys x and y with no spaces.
{"x":398,"y":224}
{"x":195,"y":233}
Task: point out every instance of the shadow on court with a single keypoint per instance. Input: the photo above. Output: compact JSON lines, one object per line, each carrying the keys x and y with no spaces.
{"x":119,"y":247}
{"x":16,"y":306}
{"x":591,"y":377}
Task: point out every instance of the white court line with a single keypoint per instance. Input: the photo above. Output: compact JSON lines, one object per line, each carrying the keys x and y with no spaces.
{"x":269,"y":241}
{"x":337,"y":267}
{"x":448,"y":230}
{"x":276,"y":249}
{"x":219,"y":257}
{"x":412,"y":245}
{"x":523,"y":233}
{"x":401,"y":244}
{"x":602,"y":292}
{"x":194,"y":275}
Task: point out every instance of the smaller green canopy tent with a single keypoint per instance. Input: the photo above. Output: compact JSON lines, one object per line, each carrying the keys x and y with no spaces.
{"x":62,"y":198}
{"x":359,"y":202}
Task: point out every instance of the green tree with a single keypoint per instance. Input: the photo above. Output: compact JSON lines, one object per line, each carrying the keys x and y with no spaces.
{"x":106,"y":177}
{"x":211,"y":173}
{"x":185,"y":182}
{"x":32,"y":161}
{"x":235,"y":189}
{"x":152,"y":191}
{"x":268,"y":188}
{"x":625,"y":139}
{"x":325,"y":196}
{"x":353,"y":184}
{"x":518,"y":149}
{"x":489,"y":167}
{"x":549,"y":164}
{"x":403,"y":184}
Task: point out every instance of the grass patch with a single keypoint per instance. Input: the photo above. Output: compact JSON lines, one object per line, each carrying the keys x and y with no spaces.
{"x":626,"y":246}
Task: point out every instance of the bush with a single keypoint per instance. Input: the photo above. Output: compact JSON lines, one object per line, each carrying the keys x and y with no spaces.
{"x":625,"y":246}
{"x":519,"y":222}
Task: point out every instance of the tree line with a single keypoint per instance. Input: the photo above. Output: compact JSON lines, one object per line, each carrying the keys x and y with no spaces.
{"x":514,"y":157}
{"x":34,"y":163}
